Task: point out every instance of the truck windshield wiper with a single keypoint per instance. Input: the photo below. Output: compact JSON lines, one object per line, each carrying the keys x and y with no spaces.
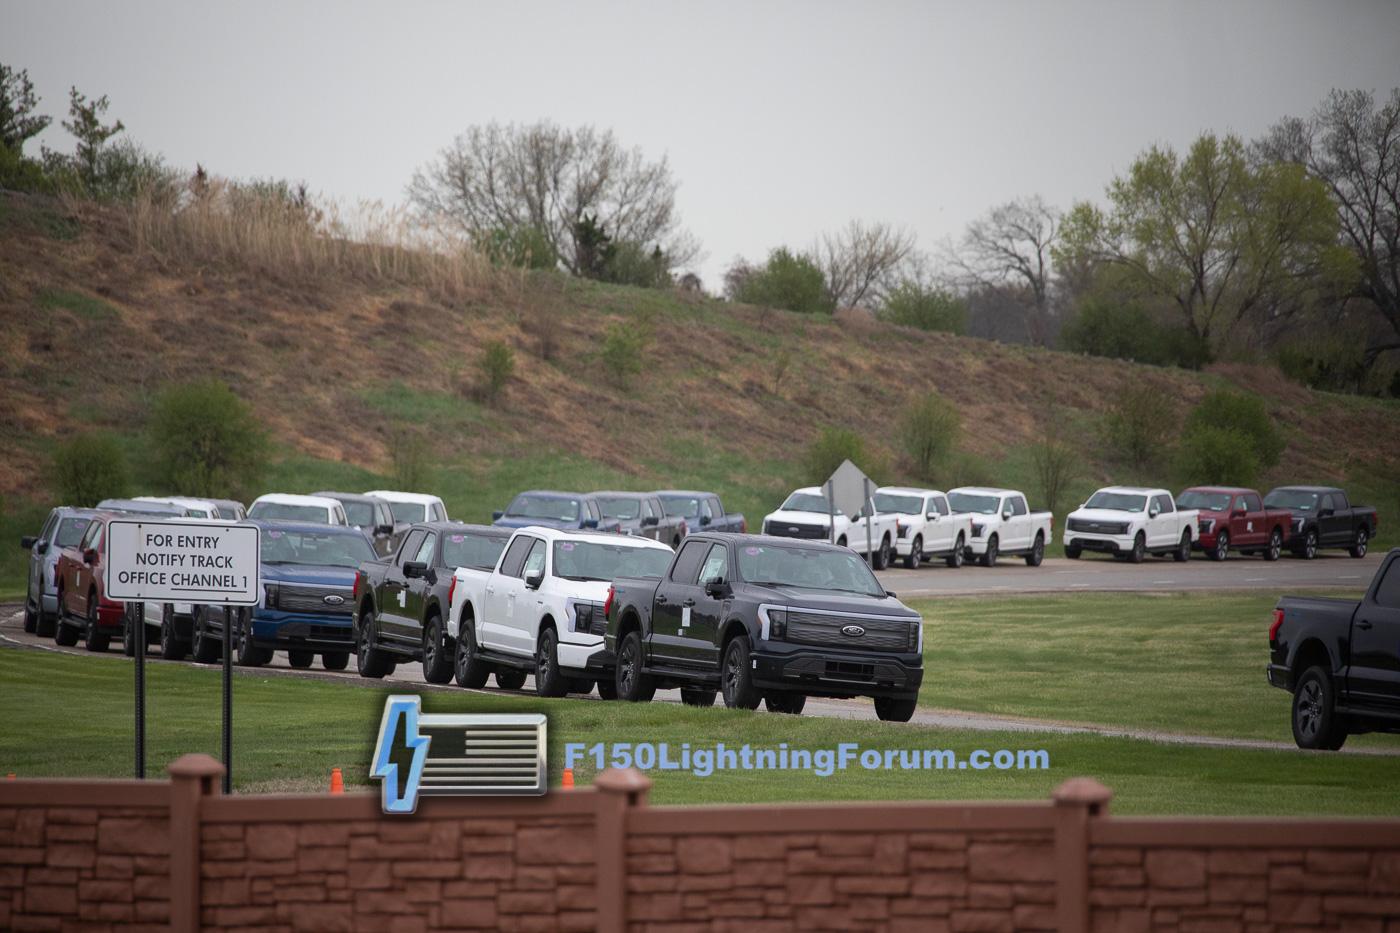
{"x":565,"y":576}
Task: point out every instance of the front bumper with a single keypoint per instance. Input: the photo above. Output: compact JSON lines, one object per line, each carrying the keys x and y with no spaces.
{"x":827,"y":672}
{"x":1280,"y":676}
{"x":584,"y":654}
{"x":273,"y":628}
{"x":976,"y":547}
{"x":1107,"y":544}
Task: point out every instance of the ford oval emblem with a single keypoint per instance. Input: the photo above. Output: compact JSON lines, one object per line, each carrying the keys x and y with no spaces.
{"x":855,"y":631}
{"x":332,"y":600}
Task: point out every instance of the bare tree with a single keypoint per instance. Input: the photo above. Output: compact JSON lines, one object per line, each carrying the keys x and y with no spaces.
{"x":1008,"y":249}
{"x":861,"y":261}
{"x":548,"y":179}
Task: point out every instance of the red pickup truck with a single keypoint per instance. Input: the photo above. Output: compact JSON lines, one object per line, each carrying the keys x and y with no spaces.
{"x":1231,"y":517}
{"x":82,"y":606}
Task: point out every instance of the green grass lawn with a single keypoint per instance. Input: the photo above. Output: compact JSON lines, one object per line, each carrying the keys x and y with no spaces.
{"x":70,"y":716}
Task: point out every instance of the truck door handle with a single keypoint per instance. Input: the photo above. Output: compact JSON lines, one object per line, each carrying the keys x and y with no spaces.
{"x":1363,"y":624}
{"x":688,"y":603}
{"x":660,"y":599}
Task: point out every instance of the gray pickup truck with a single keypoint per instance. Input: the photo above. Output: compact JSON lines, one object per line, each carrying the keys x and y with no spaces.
{"x":642,"y":515}
{"x":1340,"y":658}
{"x":702,"y":511}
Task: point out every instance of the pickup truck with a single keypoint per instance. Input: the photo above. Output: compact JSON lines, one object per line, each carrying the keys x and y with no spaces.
{"x":1340,"y":659}
{"x":283,"y":507}
{"x":401,"y":604}
{"x":1002,"y":523}
{"x":540,"y":610}
{"x":925,"y":525}
{"x":63,"y":528}
{"x":1131,"y":522}
{"x":374,"y":517}
{"x":642,"y":514}
{"x":83,"y":608}
{"x":1323,"y":517}
{"x":549,"y":509}
{"x":807,"y":514}
{"x":702,"y":511}
{"x":763,"y":619}
{"x":412,"y":507}
{"x":1228,"y":516}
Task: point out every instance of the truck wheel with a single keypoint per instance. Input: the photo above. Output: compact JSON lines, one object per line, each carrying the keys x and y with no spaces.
{"x":607,"y":688}
{"x":989,"y":557}
{"x":335,"y":660}
{"x":43,"y":622}
{"x":895,"y":709}
{"x":1358,"y":549}
{"x":65,"y":633}
{"x":1309,"y":548}
{"x":1222,"y":546}
{"x":1037,"y":554}
{"x":1072,"y":552}
{"x":694,"y":696}
{"x":301,"y":660}
{"x":632,"y":685}
{"x":1275,"y":547}
{"x":1316,"y":724}
{"x":471,"y":672}
{"x":790,"y":703}
{"x":171,"y":647}
{"x":736,"y":676}
{"x":510,"y":679}
{"x":93,"y":639}
{"x":548,"y":681}
{"x":437,"y":663}
{"x":203,"y":645}
{"x":580,"y":685}
{"x":955,"y":559}
{"x":886,"y":553}
{"x":250,"y":653}
{"x":1139,"y":550}
{"x":372,"y":660}
{"x":31,"y":617}
{"x":1183,"y":549}
{"x":916,"y":551}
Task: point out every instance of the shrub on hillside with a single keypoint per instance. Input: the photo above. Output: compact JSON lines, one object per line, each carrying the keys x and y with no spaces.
{"x":968,"y":469}
{"x":623,"y":347}
{"x":1243,"y":413}
{"x":497,"y":366}
{"x":1056,"y":464}
{"x":1126,"y":331}
{"x":1139,"y":423}
{"x":409,"y":466}
{"x":88,"y":469}
{"x":206,"y":441}
{"x":787,"y":280}
{"x":634,"y":264}
{"x":1218,"y":456}
{"x":521,"y":247}
{"x":929,"y":431}
{"x":910,"y":304}
{"x":832,"y":446}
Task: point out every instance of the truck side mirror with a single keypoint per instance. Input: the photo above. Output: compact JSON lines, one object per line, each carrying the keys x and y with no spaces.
{"x":588,"y":523}
{"x":932,"y":516}
{"x":717,"y":589}
{"x":496,"y":515}
{"x":704,"y":520}
{"x":651,"y":520}
{"x":28,"y":542}
{"x":383,"y":529}
{"x":534,"y":579}
{"x":1153,"y":512}
{"x":90,"y":556}
{"x":415,"y":568}
{"x":1324,"y":513}
{"x":1006,"y":516}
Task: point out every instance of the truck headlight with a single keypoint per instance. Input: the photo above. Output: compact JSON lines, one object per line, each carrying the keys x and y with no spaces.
{"x":270,"y":595}
{"x":583,"y":617}
{"x":977,"y":530}
{"x":777,"y":623}
{"x":914,"y":635}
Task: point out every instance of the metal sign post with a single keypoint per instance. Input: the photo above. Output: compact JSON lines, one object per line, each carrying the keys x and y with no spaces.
{"x":830,"y":513}
{"x":187,"y":561}
{"x":869,"y":508}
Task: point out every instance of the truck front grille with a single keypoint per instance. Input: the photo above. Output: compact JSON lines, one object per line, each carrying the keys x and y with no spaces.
{"x":796,"y":530}
{"x":812,"y":628}
{"x":338,"y":600}
{"x":1097,"y":528}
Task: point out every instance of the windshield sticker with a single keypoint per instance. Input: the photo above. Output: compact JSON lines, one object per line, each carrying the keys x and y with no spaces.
{"x":566,"y":545}
{"x":458,"y":539}
{"x":753,"y":551}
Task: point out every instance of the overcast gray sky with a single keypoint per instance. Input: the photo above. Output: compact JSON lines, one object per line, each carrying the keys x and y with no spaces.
{"x":781,"y":119}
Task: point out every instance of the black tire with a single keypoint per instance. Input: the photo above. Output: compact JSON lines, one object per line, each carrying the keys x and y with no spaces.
{"x":249,"y":652}
{"x":736,"y":676}
{"x":31,"y":617}
{"x":1037,"y":555}
{"x":1183,"y":548}
{"x":467,"y":667}
{"x":64,"y":632}
{"x":989,"y":556}
{"x":45,"y":624}
{"x":1358,"y":547}
{"x":301,"y":660}
{"x":509,"y":678}
{"x":372,"y":660}
{"x":171,"y":647}
{"x":1222,"y":546}
{"x":335,"y":660}
{"x":1139,"y":551}
{"x":549,"y":681}
{"x":1073,"y":552}
{"x":895,"y":709}
{"x":785,"y":702}
{"x":204,"y":647}
{"x":698,"y":696}
{"x":916,"y":547}
{"x":607,"y":688}
{"x":1275,"y":547}
{"x":955,"y":559}
{"x":631,"y":682}
{"x":437,"y":661}
{"x":583,"y":686}
{"x":1308,"y":549}
{"x":93,"y":639}
{"x":1316,"y":724}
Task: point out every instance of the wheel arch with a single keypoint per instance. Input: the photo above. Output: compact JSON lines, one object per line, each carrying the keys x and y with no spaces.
{"x":1312,"y":652}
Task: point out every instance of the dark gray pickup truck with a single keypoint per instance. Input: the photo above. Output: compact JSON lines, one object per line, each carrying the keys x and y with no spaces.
{"x":642,"y":515}
{"x":764,"y":619}
{"x":1341,"y":660}
{"x":1323,"y":517}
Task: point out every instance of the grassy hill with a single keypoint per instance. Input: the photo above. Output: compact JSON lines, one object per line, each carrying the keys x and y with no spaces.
{"x":341,"y":352}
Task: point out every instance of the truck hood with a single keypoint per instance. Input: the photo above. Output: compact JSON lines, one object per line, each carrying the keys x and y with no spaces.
{"x":506,"y":522}
{"x":308,"y":573}
{"x":796,"y":597}
{"x":593,"y":591}
{"x":797,"y":518}
{"x":1105,"y":515}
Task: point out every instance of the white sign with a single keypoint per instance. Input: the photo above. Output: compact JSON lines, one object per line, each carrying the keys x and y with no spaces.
{"x":182,"y":561}
{"x":849,"y":488}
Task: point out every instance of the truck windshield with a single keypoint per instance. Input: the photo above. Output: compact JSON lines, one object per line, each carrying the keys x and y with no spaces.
{"x":903,"y":505}
{"x":808,"y":568}
{"x":359,"y":514}
{"x":479,"y":552}
{"x":967,"y":502}
{"x":70,"y":531}
{"x":624,"y":509}
{"x":1116,"y":502}
{"x":682,"y":506}
{"x":322,"y":549}
{"x":594,"y":560}
{"x":408,"y":512}
{"x":553,"y":508}
{"x":1294,"y":499}
{"x":807,"y":502}
{"x":1209,"y":501}
{"x":288,"y":513}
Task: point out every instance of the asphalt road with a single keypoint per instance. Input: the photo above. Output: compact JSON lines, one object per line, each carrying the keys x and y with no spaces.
{"x":1105,"y":574}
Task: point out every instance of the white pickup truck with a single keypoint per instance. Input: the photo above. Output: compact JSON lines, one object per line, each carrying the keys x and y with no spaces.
{"x":925,"y":526}
{"x":1131,"y":522}
{"x":807,"y":514}
{"x":1002,"y":524}
{"x":540,"y":611}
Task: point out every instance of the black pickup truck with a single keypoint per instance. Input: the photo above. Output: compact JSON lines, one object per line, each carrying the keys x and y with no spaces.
{"x":1341,"y":660}
{"x":402,"y":602}
{"x":765,"y":619}
{"x":1323,"y":517}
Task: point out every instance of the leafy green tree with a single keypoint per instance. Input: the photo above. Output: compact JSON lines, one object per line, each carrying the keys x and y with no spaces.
{"x":497,"y":366}
{"x":18,"y":121}
{"x":912,"y":304}
{"x":85,"y":124}
{"x":1217,"y":456}
{"x":787,"y":280}
{"x":634,"y":264}
{"x":1139,"y":423}
{"x":832,"y":446}
{"x":929,"y":429}
{"x":623,"y":348}
{"x":89,"y":468}
{"x":1242,"y":414}
{"x":206,"y":441}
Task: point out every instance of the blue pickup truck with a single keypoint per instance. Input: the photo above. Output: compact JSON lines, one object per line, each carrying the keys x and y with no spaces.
{"x":702,"y":511}
{"x":307,"y":608}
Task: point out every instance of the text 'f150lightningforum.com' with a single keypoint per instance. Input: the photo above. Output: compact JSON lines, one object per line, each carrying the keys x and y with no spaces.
{"x":703,"y":761}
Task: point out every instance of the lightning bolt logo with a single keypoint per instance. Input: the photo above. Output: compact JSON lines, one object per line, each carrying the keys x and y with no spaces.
{"x":399,"y":729}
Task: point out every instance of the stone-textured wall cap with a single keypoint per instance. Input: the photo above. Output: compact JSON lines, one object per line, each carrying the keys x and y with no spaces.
{"x":622,"y":781}
{"x":1082,"y":790}
{"x":196,"y":766}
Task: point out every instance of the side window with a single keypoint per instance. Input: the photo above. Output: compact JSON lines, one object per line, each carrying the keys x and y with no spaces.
{"x":97,"y":536}
{"x":439,"y":514}
{"x":1018,"y":505}
{"x":717,"y":508}
{"x":534,"y":563}
{"x":1329,"y":501}
{"x":716,"y":566}
{"x":1164,"y":504}
{"x":940,"y":505}
{"x":409,"y":546}
{"x":687,"y":565}
{"x":382,"y":516}
{"x":591,"y":510}
{"x":1388,"y":590}
{"x":515,"y":556}
{"x":428,"y":551}
{"x":89,"y":536}
{"x":706,"y":509}
{"x":1252,"y":504}
{"x":47,"y":532}
{"x":1339,"y":501}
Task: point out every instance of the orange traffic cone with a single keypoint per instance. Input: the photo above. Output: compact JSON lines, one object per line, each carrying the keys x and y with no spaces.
{"x":337,"y":782}
{"x":568,"y":779}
